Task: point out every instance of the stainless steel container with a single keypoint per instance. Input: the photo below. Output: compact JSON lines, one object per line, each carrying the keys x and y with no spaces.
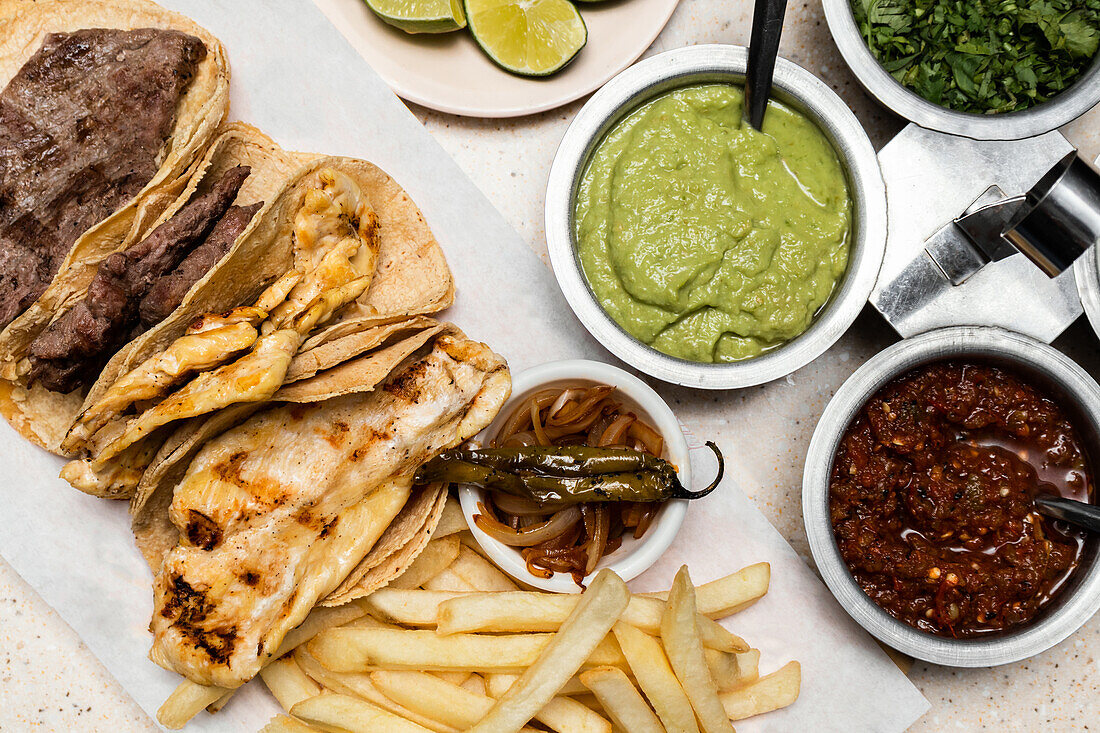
{"x":1048,"y":369}
{"x":1067,"y":106}
{"x":795,"y":87}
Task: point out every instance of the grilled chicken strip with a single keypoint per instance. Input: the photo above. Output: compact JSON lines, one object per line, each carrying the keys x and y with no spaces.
{"x":274,"y":513}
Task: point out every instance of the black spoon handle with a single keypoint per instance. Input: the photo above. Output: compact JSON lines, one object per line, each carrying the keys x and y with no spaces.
{"x":1074,"y":512}
{"x":767,"y":25}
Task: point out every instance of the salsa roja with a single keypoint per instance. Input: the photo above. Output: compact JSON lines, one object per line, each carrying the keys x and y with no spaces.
{"x":931,"y":498}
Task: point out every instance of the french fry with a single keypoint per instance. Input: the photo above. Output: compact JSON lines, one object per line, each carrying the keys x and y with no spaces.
{"x":479,"y":572}
{"x":408,"y":607}
{"x":732,"y":670}
{"x":360,"y":685}
{"x":574,"y":644}
{"x":288,"y":683}
{"x":556,"y":714}
{"x":748,"y":666}
{"x":621,"y":700}
{"x":521,"y":611}
{"x":499,"y":683}
{"x":449,"y":580}
{"x":283,"y":724}
{"x":433,"y":697}
{"x":436,"y":698}
{"x":771,"y":692}
{"x":589,"y":701}
{"x":319,"y":619}
{"x":352,"y":714}
{"x":436,"y":555}
{"x":731,"y":593}
{"x":186,"y":701}
{"x":656,"y":679}
{"x":475,"y":683}
{"x":684,"y":647}
{"x":566,"y":715}
{"x":451,"y":521}
{"x":365,"y":650}
{"x":220,"y":703}
{"x":455,"y":678}
{"x":369,"y":622}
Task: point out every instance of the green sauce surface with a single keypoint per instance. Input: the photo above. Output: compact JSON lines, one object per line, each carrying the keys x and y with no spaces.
{"x":705,"y":238}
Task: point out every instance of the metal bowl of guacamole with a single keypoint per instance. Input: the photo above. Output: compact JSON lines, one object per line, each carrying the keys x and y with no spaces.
{"x":1061,"y":109}
{"x":703,"y":252}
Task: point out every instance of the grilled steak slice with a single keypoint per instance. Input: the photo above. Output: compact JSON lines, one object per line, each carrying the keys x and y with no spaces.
{"x":82,"y":127}
{"x":71,"y":351}
{"x":167,"y":292}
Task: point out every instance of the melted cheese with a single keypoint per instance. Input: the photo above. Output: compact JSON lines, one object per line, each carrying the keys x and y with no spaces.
{"x":208,"y":342}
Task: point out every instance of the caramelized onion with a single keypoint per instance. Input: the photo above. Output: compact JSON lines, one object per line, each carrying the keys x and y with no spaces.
{"x":571,"y":540}
{"x":536,"y":534}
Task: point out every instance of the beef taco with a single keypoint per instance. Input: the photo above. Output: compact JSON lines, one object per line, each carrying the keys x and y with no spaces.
{"x":137,"y":287}
{"x":105,"y":109}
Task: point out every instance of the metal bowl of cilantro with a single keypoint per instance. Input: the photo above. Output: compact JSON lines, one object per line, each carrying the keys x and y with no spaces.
{"x":985,"y":69}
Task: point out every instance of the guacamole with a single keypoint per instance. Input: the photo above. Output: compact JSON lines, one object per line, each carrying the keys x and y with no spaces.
{"x":705,"y":238}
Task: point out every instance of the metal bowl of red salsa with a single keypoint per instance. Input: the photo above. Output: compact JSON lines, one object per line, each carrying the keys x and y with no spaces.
{"x":918,"y":492}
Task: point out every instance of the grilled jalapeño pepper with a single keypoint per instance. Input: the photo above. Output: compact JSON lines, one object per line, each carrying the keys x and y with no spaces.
{"x":565,"y":474}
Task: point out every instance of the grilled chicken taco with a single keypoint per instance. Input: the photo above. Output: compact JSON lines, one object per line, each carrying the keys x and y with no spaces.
{"x":105,"y":109}
{"x":340,"y":236}
{"x":135,"y":288}
{"x":282,"y":510}
{"x":356,"y":363}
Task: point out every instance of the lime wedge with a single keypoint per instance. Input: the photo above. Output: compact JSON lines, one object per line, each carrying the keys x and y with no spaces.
{"x":527,"y":37}
{"x":420,"y":16}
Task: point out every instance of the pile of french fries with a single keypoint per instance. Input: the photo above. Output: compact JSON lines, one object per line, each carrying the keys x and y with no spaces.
{"x":455,"y":645}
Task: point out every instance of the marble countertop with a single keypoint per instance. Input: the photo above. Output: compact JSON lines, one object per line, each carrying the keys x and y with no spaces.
{"x":50,"y":681}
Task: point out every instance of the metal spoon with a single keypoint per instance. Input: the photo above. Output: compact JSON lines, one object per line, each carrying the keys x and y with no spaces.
{"x":767,"y":25}
{"x":1077,"y":513}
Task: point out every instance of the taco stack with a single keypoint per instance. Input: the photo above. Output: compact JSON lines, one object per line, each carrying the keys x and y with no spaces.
{"x":105,"y":112}
{"x":236,"y":338}
{"x":269,"y":450}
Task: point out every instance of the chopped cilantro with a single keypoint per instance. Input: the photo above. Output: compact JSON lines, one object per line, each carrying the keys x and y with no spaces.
{"x":982,"y":56}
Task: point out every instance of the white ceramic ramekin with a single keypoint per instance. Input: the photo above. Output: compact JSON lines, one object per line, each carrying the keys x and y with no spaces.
{"x":635,"y":556}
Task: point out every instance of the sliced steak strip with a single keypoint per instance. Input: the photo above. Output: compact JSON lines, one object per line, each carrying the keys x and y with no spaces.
{"x":82,"y":127}
{"x":71,"y":351}
{"x":168,"y":291}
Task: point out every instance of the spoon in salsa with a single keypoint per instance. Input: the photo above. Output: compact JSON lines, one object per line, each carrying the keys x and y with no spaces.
{"x":1077,"y":513}
{"x":767,"y":26}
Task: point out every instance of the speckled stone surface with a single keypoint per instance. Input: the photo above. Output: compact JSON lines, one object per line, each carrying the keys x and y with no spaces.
{"x":49,"y":681}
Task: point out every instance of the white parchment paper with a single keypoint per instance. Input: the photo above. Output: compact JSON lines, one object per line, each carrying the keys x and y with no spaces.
{"x":296,"y":78}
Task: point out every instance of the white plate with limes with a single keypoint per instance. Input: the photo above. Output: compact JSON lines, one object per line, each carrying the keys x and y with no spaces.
{"x":557,"y":51}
